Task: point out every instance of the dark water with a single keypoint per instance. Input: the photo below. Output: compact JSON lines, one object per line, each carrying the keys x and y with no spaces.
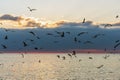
{"x":50,"y":67}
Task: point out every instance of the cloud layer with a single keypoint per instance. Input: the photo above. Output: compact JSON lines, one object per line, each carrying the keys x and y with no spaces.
{"x":19,"y":22}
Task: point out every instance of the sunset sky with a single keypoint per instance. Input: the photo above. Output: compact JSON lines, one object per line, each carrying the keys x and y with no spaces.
{"x":53,"y":17}
{"x":74,"y":10}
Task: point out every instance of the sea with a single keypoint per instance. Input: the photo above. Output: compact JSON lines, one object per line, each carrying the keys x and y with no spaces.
{"x":59,"y":66}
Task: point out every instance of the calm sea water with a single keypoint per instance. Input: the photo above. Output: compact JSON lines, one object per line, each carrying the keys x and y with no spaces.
{"x":50,"y":67}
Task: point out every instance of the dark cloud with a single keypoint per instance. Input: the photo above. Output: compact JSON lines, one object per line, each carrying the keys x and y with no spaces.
{"x":10,"y":17}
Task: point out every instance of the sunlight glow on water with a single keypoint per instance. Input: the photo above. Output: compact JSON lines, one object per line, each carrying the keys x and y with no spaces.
{"x":50,"y":67}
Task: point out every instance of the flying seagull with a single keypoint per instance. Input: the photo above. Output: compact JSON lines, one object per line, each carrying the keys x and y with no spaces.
{"x":95,"y":36}
{"x":58,"y":56}
{"x":31,"y":9}
{"x":82,"y":33}
{"x":117,"y":16}
{"x":107,"y":25}
{"x":74,"y":53}
{"x":4,"y":46}
{"x":100,"y":66}
{"x":83,"y":20}
{"x":117,"y":41}
{"x":25,"y":44}
{"x":75,"y":39}
{"x":32,"y":33}
{"x":116,"y":45}
{"x":6,"y":37}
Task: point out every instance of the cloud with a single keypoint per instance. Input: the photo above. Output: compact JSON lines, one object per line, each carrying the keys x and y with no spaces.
{"x":10,"y":17}
{"x":19,"y":21}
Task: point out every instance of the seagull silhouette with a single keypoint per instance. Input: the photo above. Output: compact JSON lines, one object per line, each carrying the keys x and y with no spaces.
{"x":83,"y":20}
{"x":6,"y":37}
{"x":70,"y":55}
{"x":116,"y":45}
{"x":62,"y":34}
{"x":31,"y":9}
{"x":99,"y":66}
{"x":82,"y":33}
{"x":39,"y":61}
{"x":117,"y":41}
{"x":32,"y":33}
{"x":36,"y":48}
{"x":4,"y":46}
{"x":117,"y":16}
{"x":63,"y":57}
{"x":58,"y":56}
{"x":74,"y":53}
{"x":24,"y":44}
{"x":95,"y":36}
{"x":107,"y":25}
{"x":75,"y":39}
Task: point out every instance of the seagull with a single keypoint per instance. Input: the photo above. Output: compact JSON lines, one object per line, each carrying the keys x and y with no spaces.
{"x":63,"y":57}
{"x":58,"y":56}
{"x":74,"y":53}
{"x":31,"y":9}
{"x":38,"y":37}
{"x":83,"y":20}
{"x":100,"y":66}
{"x":95,"y":36}
{"x":25,"y":44}
{"x":75,"y":39}
{"x":107,"y":25}
{"x":6,"y":37}
{"x":32,"y":33}
{"x":4,"y":46}
{"x":31,"y":40}
{"x":86,"y":42}
{"x":39,"y":61}
{"x":36,"y":48}
{"x":117,"y":16}
{"x":117,"y":41}
{"x":116,"y":45}
{"x":70,"y":55}
{"x":90,"y":58}
{"x":62,"y":34}
{"x":82,"y":33}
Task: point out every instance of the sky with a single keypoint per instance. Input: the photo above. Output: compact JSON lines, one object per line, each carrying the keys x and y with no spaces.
{"x":73,"y":10}
{"x":57,"y":25}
